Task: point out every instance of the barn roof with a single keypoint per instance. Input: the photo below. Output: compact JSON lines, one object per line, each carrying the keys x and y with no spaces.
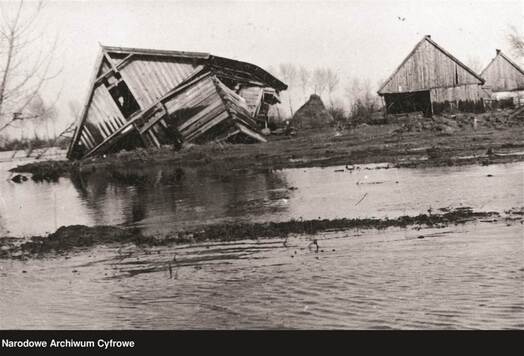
{"x":503,"y":56}
{"x":207,"y":57}
{"x":428,"y":39}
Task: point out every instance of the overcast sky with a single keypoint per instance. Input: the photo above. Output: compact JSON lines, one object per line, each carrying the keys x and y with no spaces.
{"x":366,"y":39}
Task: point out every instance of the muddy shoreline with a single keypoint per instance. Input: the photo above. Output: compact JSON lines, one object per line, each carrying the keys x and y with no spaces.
{"x":399,"y":144}
{"x":68,"y":238}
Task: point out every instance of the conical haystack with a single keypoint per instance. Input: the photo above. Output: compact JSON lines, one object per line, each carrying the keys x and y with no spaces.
{"x":313,"y":114}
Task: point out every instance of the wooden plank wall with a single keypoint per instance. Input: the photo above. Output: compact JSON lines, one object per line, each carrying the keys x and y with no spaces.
{"x":236,"y":105}
{"x":501,"y":75}
{"x":252,"y":95}
{"x":196,"y":109}
{"x":151,"y":78}
{"x":460,"y":93}
{"x":102,"y":119}
{"x":428,"y":68}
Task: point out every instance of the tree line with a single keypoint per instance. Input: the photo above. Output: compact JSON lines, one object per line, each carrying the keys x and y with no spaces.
{"x":346,"y":99}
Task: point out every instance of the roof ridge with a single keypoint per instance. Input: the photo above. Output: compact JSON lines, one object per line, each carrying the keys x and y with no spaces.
{"x":517,"y":67}
{"x":455,"y":59}
{"x":141,"y":50}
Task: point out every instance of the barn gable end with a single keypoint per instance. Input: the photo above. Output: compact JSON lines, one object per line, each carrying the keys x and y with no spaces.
{"x":429,"y":66}
{"x":502,"y":74}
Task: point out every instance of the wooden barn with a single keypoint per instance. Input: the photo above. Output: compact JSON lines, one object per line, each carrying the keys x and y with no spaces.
{"x":144,"y":97}
{"x":504,"y":79}
{"x":432,"y":80}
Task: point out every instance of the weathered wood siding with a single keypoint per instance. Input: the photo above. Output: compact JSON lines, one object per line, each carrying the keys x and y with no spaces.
{"x":252,"y":95}
{"x":102,"y":119}
{"x":151,"y":78}
{"x":196,"y":109}
{"x":427,"y":68}
{"x":235,"y":104}
{"x":501,"y":75}
{"x":168,"y":97}
{"x":470,"y":92}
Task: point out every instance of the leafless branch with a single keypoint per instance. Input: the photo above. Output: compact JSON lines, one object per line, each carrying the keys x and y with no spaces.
{"x":516,"y":42}
{"x":26,"y":59}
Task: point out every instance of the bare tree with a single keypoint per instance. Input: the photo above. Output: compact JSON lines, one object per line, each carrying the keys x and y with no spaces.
{"x":74,"y":109}
{"x":352,"y":90}
{"x":26,"y":59}
{"x":516,"y":42}
{"x":288,"y":71}
{"x":41,"y":114}
{"x":304,"y":80}
{"x":332,"y":81}
{"x":319,"y":81}
{"x":69,"y":130}
{"x":362,"y":101}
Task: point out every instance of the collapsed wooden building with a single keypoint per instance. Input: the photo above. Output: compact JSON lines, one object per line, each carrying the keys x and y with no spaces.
{"x":144,"y":97}
{"x":504,"y":79}
{"x":432,"y":80}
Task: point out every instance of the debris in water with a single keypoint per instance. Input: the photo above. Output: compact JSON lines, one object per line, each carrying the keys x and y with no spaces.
{"x":19,"y":178}
{"x":314,"y":243}
{"x":363,"y":197}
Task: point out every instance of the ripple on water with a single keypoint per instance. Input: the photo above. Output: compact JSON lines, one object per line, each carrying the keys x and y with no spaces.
{"x":377,"y":280}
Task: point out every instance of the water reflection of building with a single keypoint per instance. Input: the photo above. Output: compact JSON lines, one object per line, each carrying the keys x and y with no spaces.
{"x":168,"y":198}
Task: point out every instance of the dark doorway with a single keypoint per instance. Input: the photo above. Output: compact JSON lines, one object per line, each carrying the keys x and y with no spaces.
{"x":409,"y":102}
{"x":124,"y":99}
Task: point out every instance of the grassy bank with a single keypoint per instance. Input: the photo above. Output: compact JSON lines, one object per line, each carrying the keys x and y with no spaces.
{"x":406,"y":143}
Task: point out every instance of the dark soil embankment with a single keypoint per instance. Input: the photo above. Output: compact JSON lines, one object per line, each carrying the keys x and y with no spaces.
{"x":47,"y":171}
{"x":70,"y":237}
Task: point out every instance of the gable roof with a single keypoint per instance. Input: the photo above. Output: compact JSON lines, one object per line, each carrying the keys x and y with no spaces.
{"x":428,"y":39}
{"x":155,"y":52}
{"x":207,"y":57}
{"x":503,"y":56}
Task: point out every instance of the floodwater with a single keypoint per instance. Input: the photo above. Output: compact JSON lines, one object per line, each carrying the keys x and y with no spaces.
{"x":162,"y":200}
{"x":464,"y":276}
{"x":471,"y":276}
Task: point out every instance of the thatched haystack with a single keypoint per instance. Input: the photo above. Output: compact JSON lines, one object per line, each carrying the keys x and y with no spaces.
{"x":313,"y":114}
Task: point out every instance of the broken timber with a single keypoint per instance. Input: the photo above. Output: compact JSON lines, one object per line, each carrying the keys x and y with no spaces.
{"x":144,"y":97}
